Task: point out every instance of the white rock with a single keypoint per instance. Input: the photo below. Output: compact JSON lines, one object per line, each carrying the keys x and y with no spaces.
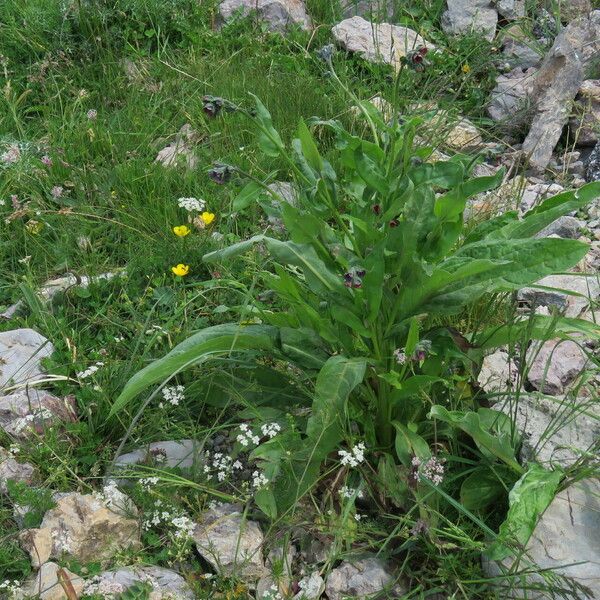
{"x":29,"y":412}
{"x":498,"y":373}
{"x":230,"y":543}
{"x":277,"y":14}
{"x":557,"y":365}
{"x":88,"y":528}
{"x":565,"y":541}
{"x":312,"y":587}
{"x":166,"y":584}
{"x":47,"y":585}
{"x":181,"y":150}
{"x":511,"y":9}
{"x":464,"y":136}
{"x":557,"y":83}
{"x":554,"y":432}
{"x":11,"y":470}
{"x":511,"y":96}
{"x":378,"y":42}
{"x":587,"y":288}
{"x":183,"y":454}
{"x":470,"y":16}
{"x":21,"y":353}
{"x":359,"y":579}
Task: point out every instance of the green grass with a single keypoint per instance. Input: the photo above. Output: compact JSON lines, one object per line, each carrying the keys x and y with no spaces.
{"x":118,"y":209}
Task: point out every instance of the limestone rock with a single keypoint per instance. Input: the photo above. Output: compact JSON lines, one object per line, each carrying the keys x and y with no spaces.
{"x":464,"y":136}
{"x":29,"y":412}
{"x":519,"y":49}
{"x":183,"y":454}
{"x":311,"y":587}
{"x":573,"y":9}
{"x":181,"y":150}
{"x":510,"y":98}
{"x":585,"y":122}
{"x":498,"y":373}
{"x":564,"y":227}
{"x":535,"y":193}
{"x":557,"y":83}
{"x":586,"y":288}
{"x":359,"y":579}
{"x":230,"y":543}
{"x":277,"y":14}
{"x":11,"y":470}
{"x":85,"y":527}
{"x":166,"y":584}
{"x":470,"y":16}
{"x":557,"y":364}
{"x":511,"y":9}
{"x":377,"y":42}
{"x":21,"y":353}
{"x":49,"y":583}
{"x":554,"y":433}
{"x":566,"y":542}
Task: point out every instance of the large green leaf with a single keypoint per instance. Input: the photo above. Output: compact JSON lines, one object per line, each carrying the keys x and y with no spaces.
{"x":309,"y":148}
{"x":528,"y":500}
{"x":409,"y":443}
{"x":208,"y":343}
{"x":547,"y":212}
{"x":269,"y":140}
{"x":481,"y":488}
{"x":538,"y":327}
{"x":500,"y":445}
{"x":233,"y":250}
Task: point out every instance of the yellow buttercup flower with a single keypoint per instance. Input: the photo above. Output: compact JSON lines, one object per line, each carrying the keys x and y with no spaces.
{"x":207,"y":217}
{"x":466,"y":68}
{"x":181,"y":270}
{"x":181,"y":230}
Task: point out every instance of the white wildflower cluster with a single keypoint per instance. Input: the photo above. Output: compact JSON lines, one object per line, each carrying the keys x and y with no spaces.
{"x":191,"y":204}
{"x":113,"y":497}
{"x":354,"y":457}
{"x":358,"y":517}
{"x":119,"y":339}
{"x":173,"y":394}
{"x":259,"y":480}
{"x":148,"y":482}
{"x":91,"y":370}
{"x":92,"y":114}
{"x":14,"y":449}
{"x":270,"y":430}
{"x":400,"y":356}
{"x":348,"y":492}
{"x":62,"y":541}
{"x":183,"y":525}
{"x":109,"y":590}
{"x":433,"y":469}
{"x":223,"y":464}
{"x":11,"y":155}
{"x":40,"y":414}
{"x":246,"y":437}
{"x":271,"y":594}
{"x":10,"y":588}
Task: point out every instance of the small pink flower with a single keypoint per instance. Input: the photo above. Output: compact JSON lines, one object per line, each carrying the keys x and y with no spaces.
{"x":57,"y":191}
{"x":46,"y":160}
{"x":92,"y":114}
{"x":12,"y":155}
{"x":15,"y":202}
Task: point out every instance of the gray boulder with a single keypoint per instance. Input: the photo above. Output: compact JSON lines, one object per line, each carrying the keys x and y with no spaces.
{"x":231,"y":543}
{"x":511,"y":9}
{"x":377,"y":42}
{"x":361,"y":579}
{"x":584,"y":124}
{"x":557,"y":83}
{"x":470,"y":16}
{"x":29,"y":412}
{"x":166,"y":584}
{"x":510,"y":98}
{"x":564,"y":227}
{"x":12,"y":470}
{"x":21,"y":354}
{"x":278,"y":15}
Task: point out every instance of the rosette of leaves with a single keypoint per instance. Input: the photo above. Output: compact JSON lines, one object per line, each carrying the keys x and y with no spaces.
{"x":377,"y":265}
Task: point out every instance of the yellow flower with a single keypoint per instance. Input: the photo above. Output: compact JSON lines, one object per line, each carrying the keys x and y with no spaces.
{"x":207,"y":217}
{"x":33,"y":226}
{"x":181,"y":270}
{"x":181,"y":230}
{"x":466,"y":68}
